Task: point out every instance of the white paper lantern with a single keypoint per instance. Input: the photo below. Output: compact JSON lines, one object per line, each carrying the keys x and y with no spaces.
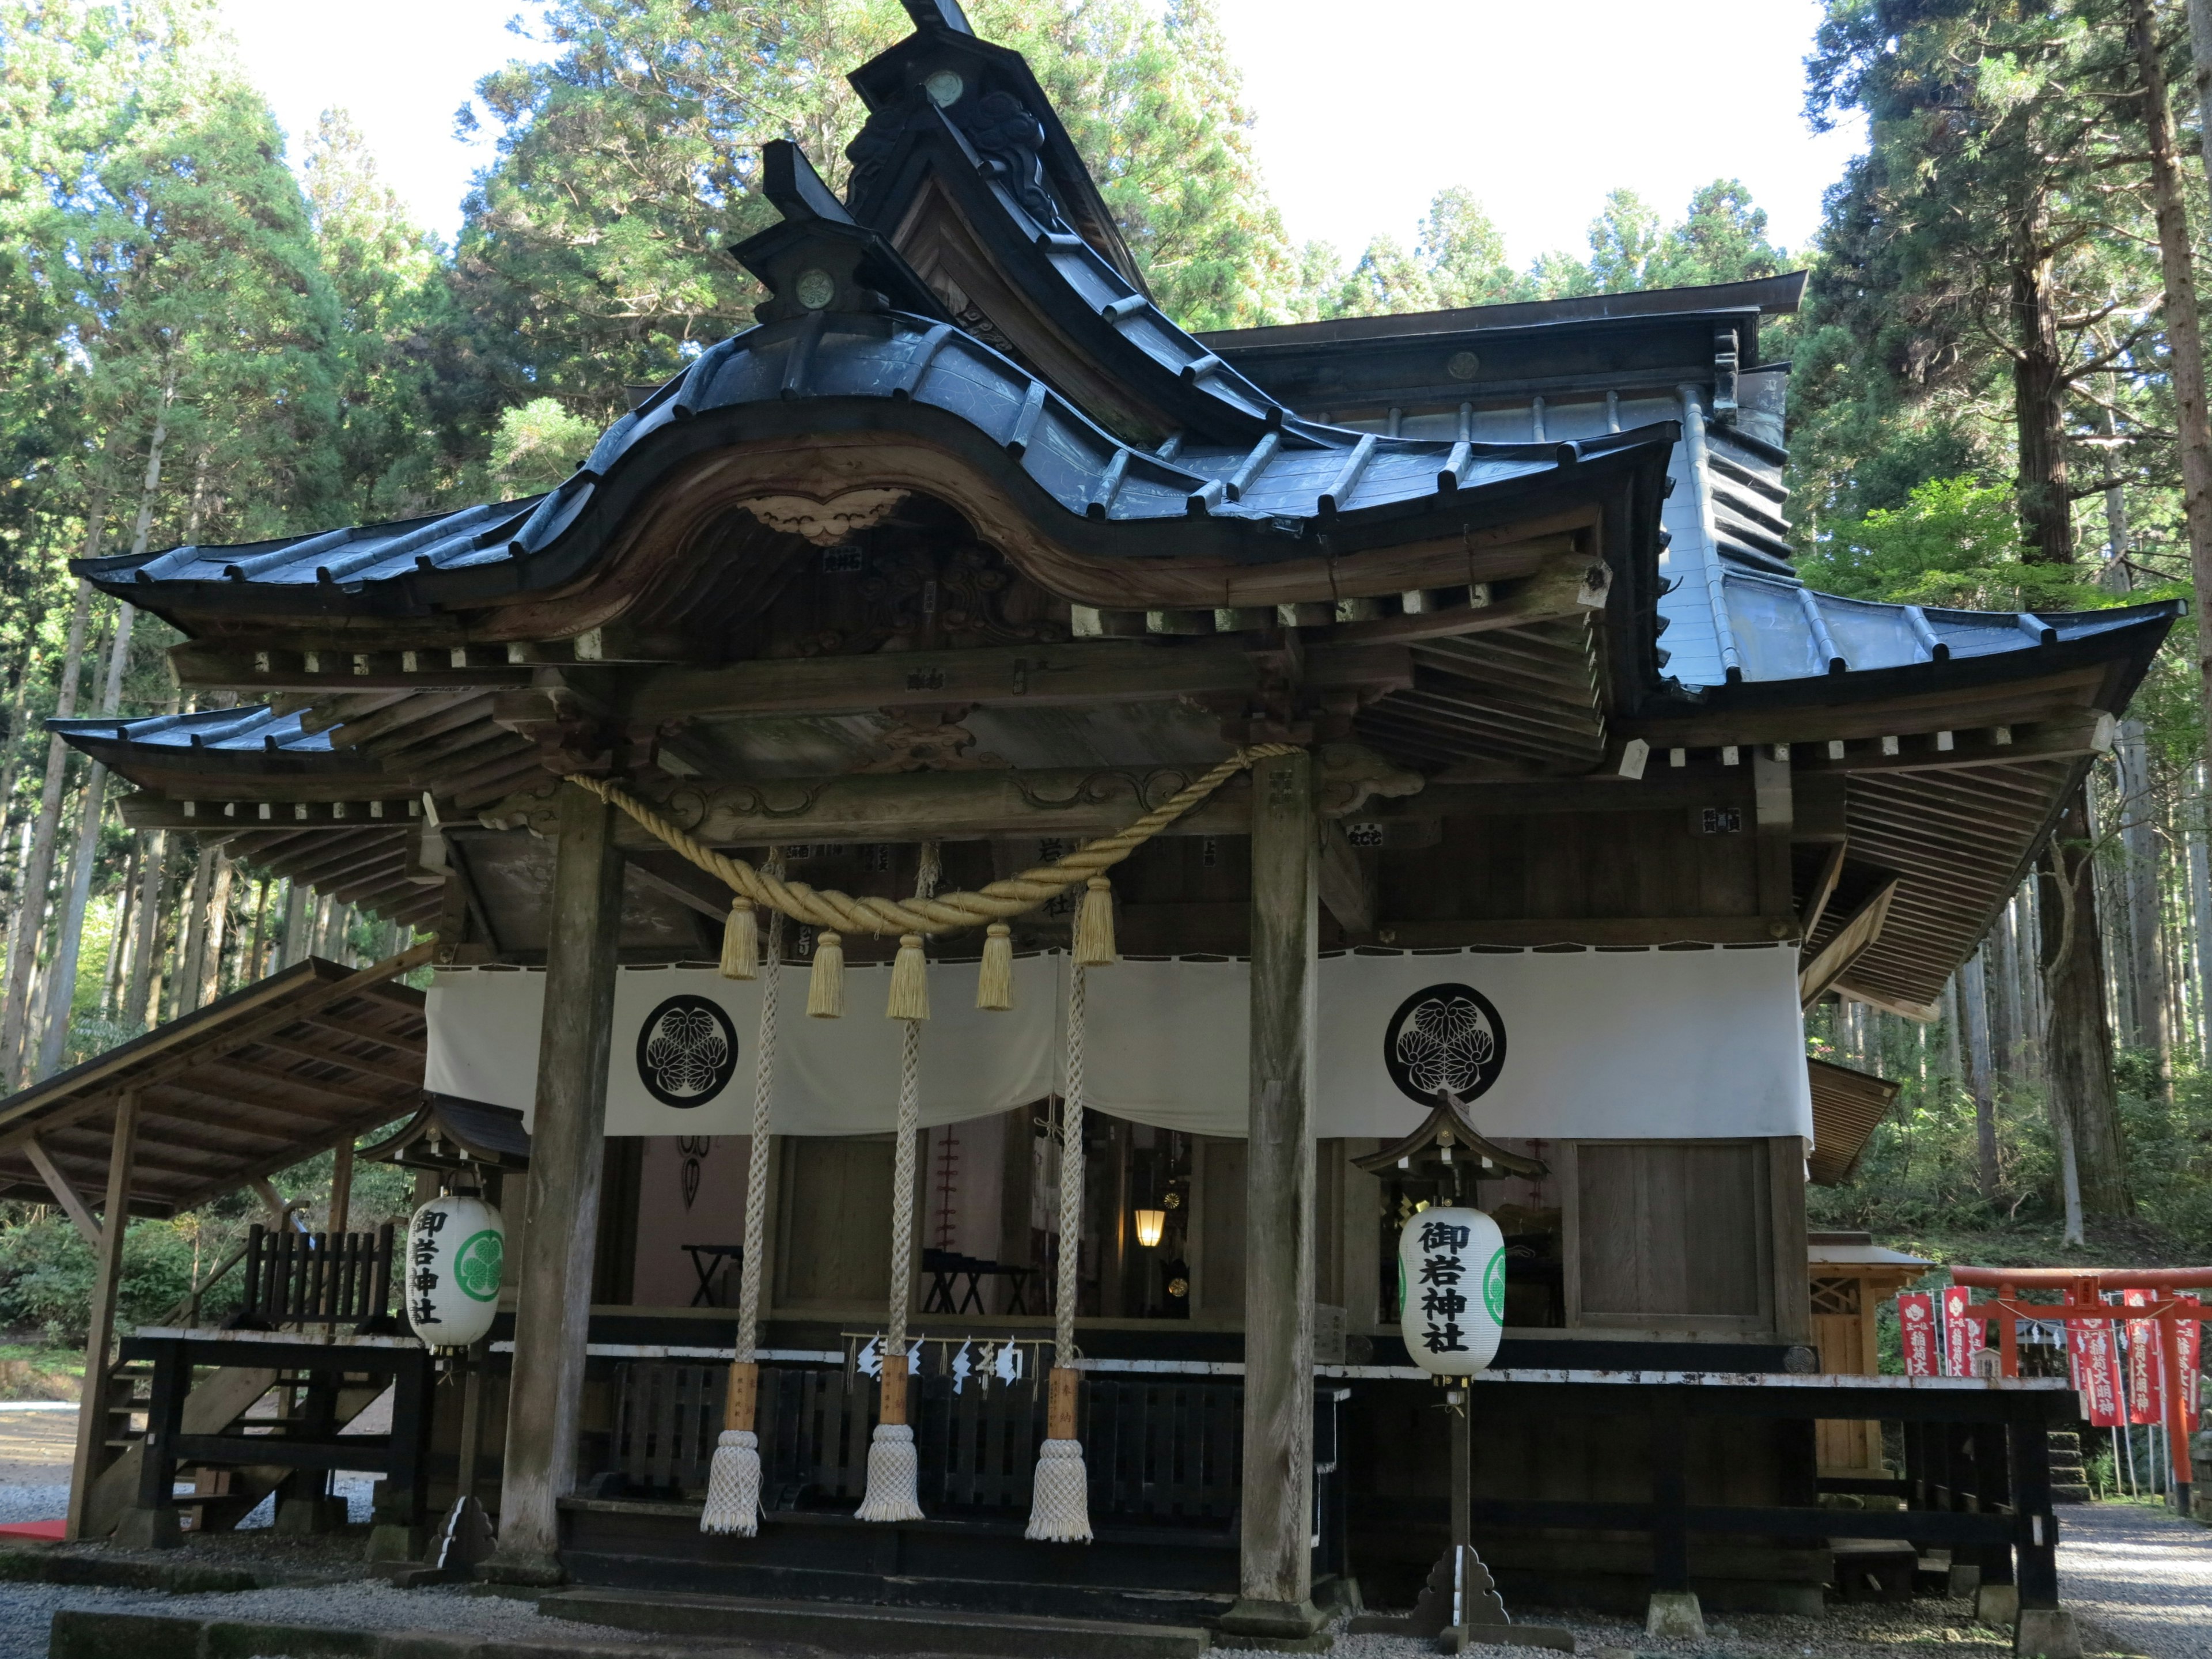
{"x":455,"y":1249}
{"x":1451,"y":1290}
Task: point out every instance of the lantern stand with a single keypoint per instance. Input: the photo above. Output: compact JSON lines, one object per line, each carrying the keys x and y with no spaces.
{"x":1458,"y":1605}
{"x":462,"y":1143}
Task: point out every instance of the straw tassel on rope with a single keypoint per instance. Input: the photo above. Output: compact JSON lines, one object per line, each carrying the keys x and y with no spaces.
{"x":994,"y":982}
{"x":1059,"y":1498}
{"x":740,"y":940}
{"x":825,"y":985}
{"x":733,"y":1477}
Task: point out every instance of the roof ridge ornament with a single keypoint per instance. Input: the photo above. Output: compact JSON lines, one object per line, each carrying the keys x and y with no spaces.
{"x":820,"y":258}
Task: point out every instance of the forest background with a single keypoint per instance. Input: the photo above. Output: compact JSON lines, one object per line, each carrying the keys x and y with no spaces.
{"x":204,"y":339}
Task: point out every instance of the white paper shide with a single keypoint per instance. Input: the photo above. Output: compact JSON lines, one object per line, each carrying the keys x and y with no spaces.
{"x":1451,"y":1290}
{"x":456,"y":1251}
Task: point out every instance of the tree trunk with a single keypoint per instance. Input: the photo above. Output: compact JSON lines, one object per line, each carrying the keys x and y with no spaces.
{"x":295,"y":924}
{"x":2078,"y":1044}
{"x":2183,"y":339}
{"x":39,"y":869}
{"x":2039,"y":383}
{"x":2139,"y":844}
{"x":2200,"y":905}
{"x":9,"y":751}
{"x":196,"y":914}
{"x":145,"y":954}
{"x":1973,"y":1006}
{"x":120,"y":937}
{"x":214,"y":924}
{"x":88,"y":849}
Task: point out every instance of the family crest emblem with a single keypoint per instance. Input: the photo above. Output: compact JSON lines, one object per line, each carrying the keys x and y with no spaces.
{"x":687,"y":1050}
{"x":1446,"y":1039}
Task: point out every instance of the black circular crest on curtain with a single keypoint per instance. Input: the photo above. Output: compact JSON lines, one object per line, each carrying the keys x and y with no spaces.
{"x":687,"y":1050}
{"x":1447,"y":1038}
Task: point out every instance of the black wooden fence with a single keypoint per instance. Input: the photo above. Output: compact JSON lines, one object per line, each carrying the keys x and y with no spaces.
{"x":316,"y":1279}
{"x":1155,"y":1447}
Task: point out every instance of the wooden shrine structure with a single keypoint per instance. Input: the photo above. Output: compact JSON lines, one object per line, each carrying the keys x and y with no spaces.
{"x":968,"y":543}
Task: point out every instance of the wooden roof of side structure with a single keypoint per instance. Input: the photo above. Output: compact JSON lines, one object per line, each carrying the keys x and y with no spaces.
{"x":257,"y":1081}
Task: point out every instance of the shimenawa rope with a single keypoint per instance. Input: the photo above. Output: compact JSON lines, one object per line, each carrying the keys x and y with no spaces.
{"x":835,"y":913}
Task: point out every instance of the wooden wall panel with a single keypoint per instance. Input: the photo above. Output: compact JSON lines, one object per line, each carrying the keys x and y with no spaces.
{"x":1218,"y":1278}
{"x":1671,"y":1233}
{"x":1574,"y":864}
{"x":835,"y":1211}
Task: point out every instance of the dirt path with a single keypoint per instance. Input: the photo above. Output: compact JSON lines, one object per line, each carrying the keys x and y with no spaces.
{"x":2139,"y":1576}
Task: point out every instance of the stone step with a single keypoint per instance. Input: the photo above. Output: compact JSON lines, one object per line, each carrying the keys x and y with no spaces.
{"x":848,"y":1628}
{"x":2069,"y":1491}
{"x":1032,"y":1594}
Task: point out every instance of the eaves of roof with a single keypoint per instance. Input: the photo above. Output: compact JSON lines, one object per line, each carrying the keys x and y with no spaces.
{"x":1765,"y":296}
{"x":1270,"y":501}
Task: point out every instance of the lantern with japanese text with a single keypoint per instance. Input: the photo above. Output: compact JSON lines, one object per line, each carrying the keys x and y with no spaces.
{"x":455,"y":1247}
{"x":1451,"y":1290}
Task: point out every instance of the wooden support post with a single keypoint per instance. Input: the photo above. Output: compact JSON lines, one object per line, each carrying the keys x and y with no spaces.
{"x":561,"y":1207}
{"x":1793,"y":1289}
{"x":2036,"y":1531}
{"x":342,"y":1186}
{"x":92,"y":1421}
{"x":64,"y":1193}
{"x":1275,"y":1578}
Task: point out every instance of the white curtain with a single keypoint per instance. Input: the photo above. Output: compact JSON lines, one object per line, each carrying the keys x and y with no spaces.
{"x":1567,"y":1044}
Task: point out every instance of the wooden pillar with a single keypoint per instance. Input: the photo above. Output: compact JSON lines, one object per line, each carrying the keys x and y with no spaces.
{"x":341,"y":1186}
{"x":92,"y":1424}
{"x":1275,"y":1578}
{"x":561,"y":1202}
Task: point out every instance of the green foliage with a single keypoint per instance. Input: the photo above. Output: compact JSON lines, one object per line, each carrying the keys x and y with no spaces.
{"x":1956,"y":542}
{"x":1459,"y":259}
{"x":537,"y":445}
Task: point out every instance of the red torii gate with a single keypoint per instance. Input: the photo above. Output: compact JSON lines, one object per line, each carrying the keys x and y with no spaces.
{"x":2085,"y":1299}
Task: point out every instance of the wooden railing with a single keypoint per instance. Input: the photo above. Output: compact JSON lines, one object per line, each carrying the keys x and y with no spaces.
{"x":316,"y":1279}
{"x":1155,"y":1447}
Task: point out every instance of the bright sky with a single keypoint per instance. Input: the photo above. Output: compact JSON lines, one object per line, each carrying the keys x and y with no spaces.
{"x":1540,"y":110}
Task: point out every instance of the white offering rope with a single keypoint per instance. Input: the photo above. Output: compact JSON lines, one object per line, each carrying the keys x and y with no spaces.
{"x":1060,"y":1505}
{"x":894,"y":1491}
{"x":733,"y":1478}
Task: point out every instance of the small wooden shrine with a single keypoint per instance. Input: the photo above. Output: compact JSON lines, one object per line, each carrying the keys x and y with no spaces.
{"x":1510,"y":761}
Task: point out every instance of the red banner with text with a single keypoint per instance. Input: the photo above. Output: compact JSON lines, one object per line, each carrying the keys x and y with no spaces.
{"x":2146,"y":1364}
{"x":2096,"y":1369}
{"x":1963,"y":1334}
{"x":1916,"y":1323}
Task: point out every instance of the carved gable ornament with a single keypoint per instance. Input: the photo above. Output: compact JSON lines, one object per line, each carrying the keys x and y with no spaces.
{"x":825,"y":524}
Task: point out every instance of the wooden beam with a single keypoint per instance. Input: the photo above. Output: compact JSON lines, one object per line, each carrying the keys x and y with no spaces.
{"x":1824,"y":888}
{"x":1347,"y":882}
{"x":1559,"y":592}
{"x":1852,"y":941}
{"x":1436,"y":934}
{"x":93,"y":1427}
{"x":2088,"y":733}
{"x":1927,"y":1013}
{"x":674,"y":886}
{"x":64,"y":1193}
{"x":223,"y":816}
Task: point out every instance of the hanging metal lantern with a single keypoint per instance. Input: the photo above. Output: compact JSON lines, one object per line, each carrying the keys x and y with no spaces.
{"x":1451,"y":1290}
{"x":456,"y":1251}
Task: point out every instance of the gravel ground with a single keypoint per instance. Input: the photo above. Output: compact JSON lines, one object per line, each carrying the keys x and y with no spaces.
{"x":2141,"y":1577}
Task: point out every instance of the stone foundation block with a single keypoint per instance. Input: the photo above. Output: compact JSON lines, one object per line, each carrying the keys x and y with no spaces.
{"x":1676,"y":1616}
{"x":2046,"y":1633}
